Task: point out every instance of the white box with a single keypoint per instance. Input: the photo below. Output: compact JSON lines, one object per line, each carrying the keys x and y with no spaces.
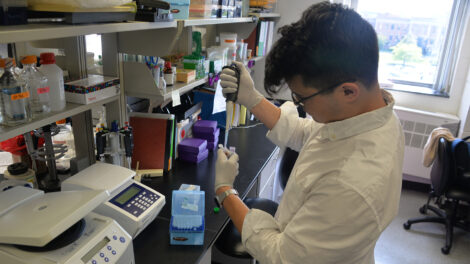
{"x":92,"y":97}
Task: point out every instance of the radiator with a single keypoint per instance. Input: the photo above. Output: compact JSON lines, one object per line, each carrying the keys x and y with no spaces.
{"x":417,"y":125}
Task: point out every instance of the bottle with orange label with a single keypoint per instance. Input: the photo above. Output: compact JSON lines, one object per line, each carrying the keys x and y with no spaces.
{"x":36,"y":83}
{"x":14,"y":94}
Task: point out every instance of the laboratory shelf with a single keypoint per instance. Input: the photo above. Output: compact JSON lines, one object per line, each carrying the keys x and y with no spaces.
{"x":29,"y":32}
{"x":70,"y":110}
{"x":182,"y":88}
{"x":265,"y":15}
{"x":215,"y":21}
{"x":138,"y":82}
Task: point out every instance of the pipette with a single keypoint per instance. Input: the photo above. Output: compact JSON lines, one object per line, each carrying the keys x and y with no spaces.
{"x":230,"y":101}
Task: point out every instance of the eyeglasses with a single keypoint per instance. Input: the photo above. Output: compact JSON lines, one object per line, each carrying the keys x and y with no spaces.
{"x":300,"y":101}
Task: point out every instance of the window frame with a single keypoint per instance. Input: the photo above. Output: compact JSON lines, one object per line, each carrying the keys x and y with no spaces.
{"x":448,"y":56}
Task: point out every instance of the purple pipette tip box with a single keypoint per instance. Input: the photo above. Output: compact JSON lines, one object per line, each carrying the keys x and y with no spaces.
{"x":191,"y":157}
{"x":212,"y":145}
{"x":192,"y":145}
{"x":208,"y":136}
{"x":205,"y":126}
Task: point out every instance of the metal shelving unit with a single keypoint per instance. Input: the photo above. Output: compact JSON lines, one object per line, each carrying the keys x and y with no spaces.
{"x":215,"y":21}
{"x":70,"y":110}
{"x":10,"y":34}
{"x":265,"y":15}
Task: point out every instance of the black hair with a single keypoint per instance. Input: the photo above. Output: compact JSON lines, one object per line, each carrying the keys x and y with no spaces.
{"x":329,"y":44}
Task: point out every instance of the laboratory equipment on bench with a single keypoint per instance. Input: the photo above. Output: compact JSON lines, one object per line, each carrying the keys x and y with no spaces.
{"x":231,"y":98}
{"x":49,"y":153}
{"x":153,"y":11}
{"x":132,"y":204}
{"x":59,"y":227}
{"x":109,"y":141}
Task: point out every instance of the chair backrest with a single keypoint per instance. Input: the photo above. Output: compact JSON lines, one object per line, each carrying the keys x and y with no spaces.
{"x":461,"y":154}
{"x":442,"y":168}
{"x":452,"y":160}
{"x":284,"y":165}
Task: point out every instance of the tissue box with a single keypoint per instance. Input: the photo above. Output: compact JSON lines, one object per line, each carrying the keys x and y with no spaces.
{"x":187,"y":218}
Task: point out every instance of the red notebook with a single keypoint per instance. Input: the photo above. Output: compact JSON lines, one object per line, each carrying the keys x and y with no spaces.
{"x":152,"y":140}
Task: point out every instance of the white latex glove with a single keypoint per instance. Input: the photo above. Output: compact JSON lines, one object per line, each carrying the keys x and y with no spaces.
{"x":226,"y":168}
{"x":247,"y":95}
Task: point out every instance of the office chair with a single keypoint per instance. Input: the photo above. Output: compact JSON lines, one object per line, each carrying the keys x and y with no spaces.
{"x":450,"y":185}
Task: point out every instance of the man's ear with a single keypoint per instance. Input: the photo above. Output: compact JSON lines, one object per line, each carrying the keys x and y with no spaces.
{"x":350,"y":91}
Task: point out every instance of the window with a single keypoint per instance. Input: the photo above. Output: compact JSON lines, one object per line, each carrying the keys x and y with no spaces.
{"x":94,"y":53}
{"x":418,"y":41}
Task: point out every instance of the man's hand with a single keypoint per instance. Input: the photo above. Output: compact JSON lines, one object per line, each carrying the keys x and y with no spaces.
{"x":247,"y":94}
{"x":226,"y":168}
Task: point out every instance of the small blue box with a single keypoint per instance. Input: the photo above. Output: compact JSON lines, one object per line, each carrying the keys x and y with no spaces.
{"x":187,"y":218}
{"x":179,"y":8}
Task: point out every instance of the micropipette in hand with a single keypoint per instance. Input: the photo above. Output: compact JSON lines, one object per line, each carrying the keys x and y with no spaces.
{"x":230,"y":99}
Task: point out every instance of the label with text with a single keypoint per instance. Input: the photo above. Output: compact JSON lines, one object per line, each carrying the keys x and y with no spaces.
{"x":19,"y":96}
{"x":43,"y":90}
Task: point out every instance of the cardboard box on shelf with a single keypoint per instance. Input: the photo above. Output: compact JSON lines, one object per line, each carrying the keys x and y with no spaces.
{"x":185,"y":75}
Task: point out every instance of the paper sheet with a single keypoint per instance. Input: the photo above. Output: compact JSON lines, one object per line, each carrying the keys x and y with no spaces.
{"x":175,"y":95}
{"x":219,"y":100}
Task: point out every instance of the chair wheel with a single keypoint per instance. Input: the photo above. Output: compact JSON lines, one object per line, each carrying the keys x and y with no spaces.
{"x":445,"y":250}
{"x":423,"y":209}
{"x":406,"y":226}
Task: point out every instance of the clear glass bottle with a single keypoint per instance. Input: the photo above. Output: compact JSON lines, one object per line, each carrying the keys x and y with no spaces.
{"x":15,"y":96}
{"x":36,"y":83}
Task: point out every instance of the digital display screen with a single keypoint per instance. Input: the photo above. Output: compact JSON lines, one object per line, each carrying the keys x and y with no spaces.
{"x":95,"y":249}
{"x":127,"y":195}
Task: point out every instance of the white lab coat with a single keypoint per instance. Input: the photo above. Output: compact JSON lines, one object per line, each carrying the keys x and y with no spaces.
{"x":342,"y":192}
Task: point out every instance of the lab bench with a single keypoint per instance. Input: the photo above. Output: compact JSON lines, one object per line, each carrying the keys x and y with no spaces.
{"x":254,"y":150}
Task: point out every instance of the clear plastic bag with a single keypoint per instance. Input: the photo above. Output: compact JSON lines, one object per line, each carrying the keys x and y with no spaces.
{"x":80,"y":3}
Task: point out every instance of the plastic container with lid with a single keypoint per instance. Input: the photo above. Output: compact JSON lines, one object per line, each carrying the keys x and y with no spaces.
{"x":20,"y":171}
{"x":187,"y":218}
{"x":228,"y":39}
{"x":15,"y":96}
{"x":36,"y":83}
{"x":55,"y":80}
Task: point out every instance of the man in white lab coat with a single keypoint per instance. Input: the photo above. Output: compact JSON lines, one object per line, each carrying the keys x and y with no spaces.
{"x":345,"y":186}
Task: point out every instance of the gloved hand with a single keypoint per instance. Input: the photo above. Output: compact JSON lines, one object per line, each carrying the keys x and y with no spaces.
{"x":247,"y":94}
{"x":226,"y":168}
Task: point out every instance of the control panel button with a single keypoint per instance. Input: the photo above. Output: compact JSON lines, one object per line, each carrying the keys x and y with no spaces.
{"x":113,"y":252}
{"x":93,"y":261}
{"x":115,"y":237}
{"x":101,"y":254}
{"x":106,"y":259}
{"x":109,"y":247}
{"x":122,"y":239}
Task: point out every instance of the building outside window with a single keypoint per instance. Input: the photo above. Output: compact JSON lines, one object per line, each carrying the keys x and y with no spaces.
{"x":418,"y":41}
